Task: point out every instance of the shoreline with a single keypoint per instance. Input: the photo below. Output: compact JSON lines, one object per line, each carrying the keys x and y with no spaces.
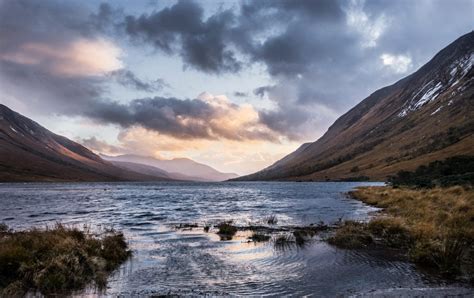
{"x":433,"y":228}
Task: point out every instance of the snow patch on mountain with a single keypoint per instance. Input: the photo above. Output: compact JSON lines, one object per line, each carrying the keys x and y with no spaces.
{"x":429,"y":95}
{"x":431,"y":90}
{"x":437,"y":110}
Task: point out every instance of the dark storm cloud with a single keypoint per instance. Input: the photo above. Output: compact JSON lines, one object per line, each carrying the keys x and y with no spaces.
{"x":240,"y":94}
{"x":46,"y":21}
{"x":210,"y":44}
{"x":39,"y":66}
{"x":54,"y":24}
{"x":100,"y":146}
{"x":322,"y":56}
{"x":159,"y":114}
{"x":106,"y":17}
{"x":326,"y":53}
{"x":181,"y":28}
{"x":186,"y":119}
{"x":127,"y":78}
{"x":261,"y":91}
{"x":290,"y":38}
{"x":46,"y":93}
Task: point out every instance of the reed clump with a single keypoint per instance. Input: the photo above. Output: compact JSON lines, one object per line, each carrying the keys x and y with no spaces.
{"x":226,"y":230}
{"x":272,"y":219}
{"x":434,"y":226}
{"x":57,"y":260}
{"x":351,"y":234}
{"x":259,"y":237}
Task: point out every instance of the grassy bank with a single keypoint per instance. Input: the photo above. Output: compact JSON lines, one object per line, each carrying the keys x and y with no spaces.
{"x":435,"y":227}
{"x":57,"y":260}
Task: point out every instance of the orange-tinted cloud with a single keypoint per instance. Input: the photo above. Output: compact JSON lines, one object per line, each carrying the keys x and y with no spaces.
{"x":81,"y":57}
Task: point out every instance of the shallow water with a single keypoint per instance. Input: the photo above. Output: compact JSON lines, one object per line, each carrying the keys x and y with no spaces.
{"x":168,"y":260}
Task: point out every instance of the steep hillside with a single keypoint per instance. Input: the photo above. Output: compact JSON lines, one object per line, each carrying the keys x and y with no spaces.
{"x":178,"y":168}
{"x":30,"y":152}
{"x":426,"y":116}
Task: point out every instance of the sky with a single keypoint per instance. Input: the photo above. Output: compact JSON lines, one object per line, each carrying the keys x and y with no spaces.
{"x":236,"y":85}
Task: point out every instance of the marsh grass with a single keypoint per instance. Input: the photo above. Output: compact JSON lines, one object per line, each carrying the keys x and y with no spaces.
{"x":271,"y":220}
{"x":351,"y":234}
{"x":284,"y":242}
{"x":259,"y":237}
{"x":299,"y":237}
{"x":186,"y":226}
{"x":434,"y":226}
{"x":57,"y":260}
{"x":226,"y":230}
{"x":303,"y":234}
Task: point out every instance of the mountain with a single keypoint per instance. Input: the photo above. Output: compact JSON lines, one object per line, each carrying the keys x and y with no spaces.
{"x":30,"y":152}
{"x":426,"y":116}
{"x":178,"y":168}
{"x":144,"y":169}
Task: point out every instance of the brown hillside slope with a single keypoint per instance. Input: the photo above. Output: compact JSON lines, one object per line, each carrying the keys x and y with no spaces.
{"x":426,"y":116}
{"x":30,"y":152}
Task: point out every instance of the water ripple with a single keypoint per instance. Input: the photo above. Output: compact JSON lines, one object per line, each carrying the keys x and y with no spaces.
{"x":167,"y":260}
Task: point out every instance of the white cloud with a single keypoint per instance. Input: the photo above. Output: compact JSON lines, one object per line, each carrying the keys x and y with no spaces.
{"x":397,"y":63}
{"x":369,"y":28}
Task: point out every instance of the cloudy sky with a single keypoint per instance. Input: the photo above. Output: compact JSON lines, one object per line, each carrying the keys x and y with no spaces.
{"x":234,"y":84}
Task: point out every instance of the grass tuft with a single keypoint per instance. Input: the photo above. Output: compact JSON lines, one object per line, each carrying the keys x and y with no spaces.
{"x":226,"y":230}
{"x":271,"y":220}
{"x":351,"y":234}
{"x":57,"y":260}
{"x":434,"y":226}
{"x":259,"y":237}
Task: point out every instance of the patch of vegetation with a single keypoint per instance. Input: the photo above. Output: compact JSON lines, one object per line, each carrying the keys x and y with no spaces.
{"x":457,"y":170}
{"x":444,"y":139}
{"x":354,"y":179}
{"x":58,"y":260}
{"x":355,"y":169}
{"x":187,"y":226}
{"x":435,"y":227}
{"x":226,"y":230}
{"x":259,"y":237}
{"x":302,"y":236}
{"x":321,"y":163}
{"x":272,"y":220}
{"x":206,"y":229}
{"x":284,"y":242}
{"x":351,"y":234}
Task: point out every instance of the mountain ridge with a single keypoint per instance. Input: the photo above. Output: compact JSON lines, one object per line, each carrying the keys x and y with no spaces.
{"x":177,"y":168}
{"x":30,"y":152}
{"x":394,"y":118}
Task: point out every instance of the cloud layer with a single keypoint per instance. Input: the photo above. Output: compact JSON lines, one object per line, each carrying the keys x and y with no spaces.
{"x":206,"y":117}
{"x":320,"y":58}
{"x":322,"y":55}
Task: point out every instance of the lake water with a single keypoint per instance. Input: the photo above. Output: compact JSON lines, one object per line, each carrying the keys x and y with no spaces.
{"x":167,"y":260}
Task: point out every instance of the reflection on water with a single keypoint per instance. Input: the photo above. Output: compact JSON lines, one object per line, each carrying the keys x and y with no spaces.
{"x":187,"y":261}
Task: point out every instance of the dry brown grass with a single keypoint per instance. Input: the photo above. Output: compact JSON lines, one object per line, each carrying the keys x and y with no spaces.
{"x":435,"y":226}
{"x":57,"y":260}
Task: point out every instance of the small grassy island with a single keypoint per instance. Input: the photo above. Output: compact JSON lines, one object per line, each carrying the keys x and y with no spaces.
{"x":57,"y":260}
{"x":423,"y":215}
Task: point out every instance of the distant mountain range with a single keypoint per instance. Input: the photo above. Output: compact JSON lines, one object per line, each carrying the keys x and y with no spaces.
{"x":30,"y":152}
{"x":177,"y":169}
{"x":427,"y":116}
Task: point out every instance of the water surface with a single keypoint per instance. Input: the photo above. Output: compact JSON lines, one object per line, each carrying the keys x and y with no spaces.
{"x":167,"y":260}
